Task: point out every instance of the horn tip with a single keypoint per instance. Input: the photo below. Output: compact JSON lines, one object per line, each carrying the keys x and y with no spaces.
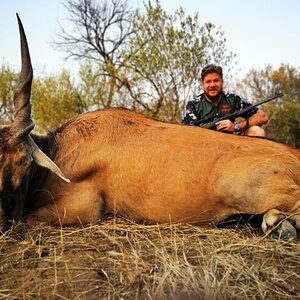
{"x":67,"y":180}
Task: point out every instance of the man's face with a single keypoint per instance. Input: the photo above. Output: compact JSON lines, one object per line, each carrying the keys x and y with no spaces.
{"x":212,"y":85}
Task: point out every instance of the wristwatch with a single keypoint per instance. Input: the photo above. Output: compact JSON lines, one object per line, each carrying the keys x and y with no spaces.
{"x":237,"y":127}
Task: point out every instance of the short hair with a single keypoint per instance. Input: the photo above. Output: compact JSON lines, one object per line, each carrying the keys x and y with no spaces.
{"x":211,"y":68}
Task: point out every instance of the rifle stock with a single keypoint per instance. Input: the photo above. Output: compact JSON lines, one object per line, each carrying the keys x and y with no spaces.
{"x":235,"y":114}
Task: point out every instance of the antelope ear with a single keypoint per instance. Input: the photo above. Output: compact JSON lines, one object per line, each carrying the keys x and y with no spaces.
{"x":40,"y":158}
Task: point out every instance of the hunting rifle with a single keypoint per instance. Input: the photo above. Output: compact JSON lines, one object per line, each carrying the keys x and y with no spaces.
{"x":210,"y":121}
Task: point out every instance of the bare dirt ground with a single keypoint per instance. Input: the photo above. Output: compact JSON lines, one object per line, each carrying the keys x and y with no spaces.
{"x":118,"y":259}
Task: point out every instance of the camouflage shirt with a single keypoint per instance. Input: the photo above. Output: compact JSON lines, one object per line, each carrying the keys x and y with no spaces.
{"x":200,"y":109}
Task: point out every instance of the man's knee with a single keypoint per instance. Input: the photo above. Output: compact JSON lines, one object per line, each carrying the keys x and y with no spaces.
{"x":255,"y":131}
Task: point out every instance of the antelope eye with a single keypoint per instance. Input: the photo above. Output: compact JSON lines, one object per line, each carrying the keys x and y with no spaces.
{"x":22,"y":161}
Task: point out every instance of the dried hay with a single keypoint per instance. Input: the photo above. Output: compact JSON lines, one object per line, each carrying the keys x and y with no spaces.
{"x":119,"y":259}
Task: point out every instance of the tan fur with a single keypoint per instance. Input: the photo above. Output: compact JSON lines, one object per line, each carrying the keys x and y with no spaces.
{"x":121,"y":162}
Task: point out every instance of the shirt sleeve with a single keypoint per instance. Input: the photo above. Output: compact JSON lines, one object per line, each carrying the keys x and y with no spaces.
{"x":190,"y":113}
{"x":242,"y":104}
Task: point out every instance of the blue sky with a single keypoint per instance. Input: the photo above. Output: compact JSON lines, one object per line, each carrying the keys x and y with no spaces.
{"x":260,"y":32}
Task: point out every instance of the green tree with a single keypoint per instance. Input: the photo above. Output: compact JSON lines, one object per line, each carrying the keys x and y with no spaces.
{"x":8,"y":85}
{"x":284,"y":114}
{"x":147,"y":61}
{"x":54,"y":100}
{"x":167,"y":55}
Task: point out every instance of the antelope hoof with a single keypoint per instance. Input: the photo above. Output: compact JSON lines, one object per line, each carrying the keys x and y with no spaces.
{"x":285,"y":231}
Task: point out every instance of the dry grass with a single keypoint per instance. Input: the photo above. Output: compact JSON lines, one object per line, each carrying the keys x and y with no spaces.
{"x":122,"y":260}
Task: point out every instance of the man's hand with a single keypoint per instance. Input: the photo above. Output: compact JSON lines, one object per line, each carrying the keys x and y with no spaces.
{"x":225,"y":125}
